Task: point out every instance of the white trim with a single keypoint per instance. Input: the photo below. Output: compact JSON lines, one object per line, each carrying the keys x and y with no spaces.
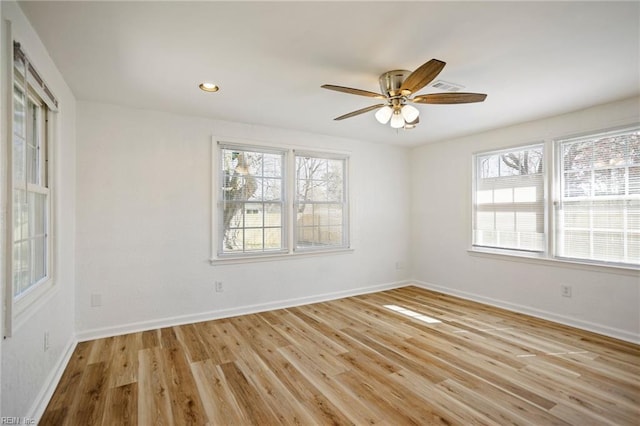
{"x":289,"y":153}
{"x":51,"y":383}
{"x":540,"y":259}
{"x":538,"y":313}
{"x":135,"y":327}
{"x":279,"y":256}
{"x":7,"y":193}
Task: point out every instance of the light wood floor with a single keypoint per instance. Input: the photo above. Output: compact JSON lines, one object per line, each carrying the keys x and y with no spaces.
{"x":353,"y":361}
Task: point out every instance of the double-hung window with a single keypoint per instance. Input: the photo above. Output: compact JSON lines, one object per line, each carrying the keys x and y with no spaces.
{"x":30,"y":185}
{"x":509,"y":211}
{"x":594,"y":184}
{"x":279,"y":201}
{"x":598,"y":209}
{"x":320,"y":202}
{"x":252,"y":210}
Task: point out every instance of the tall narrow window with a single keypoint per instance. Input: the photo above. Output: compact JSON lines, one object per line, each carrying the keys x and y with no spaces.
{"x":30,"y":184}
{"x":320,"y":202}
{"x":598,"y":212}
{"x":509,"y":210}
{"x":252,"y":210}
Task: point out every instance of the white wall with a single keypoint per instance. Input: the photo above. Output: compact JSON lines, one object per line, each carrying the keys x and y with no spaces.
{"x":27,"y":370}
{"x":144,"y":223}
{"x":603,"y":300}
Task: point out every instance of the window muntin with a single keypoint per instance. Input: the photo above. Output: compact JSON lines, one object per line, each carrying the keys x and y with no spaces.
{"x":320,"y":202}
{"x":252,"y":200}
{"x":598,"y":210}
{"x":30,"y":188}
{"x":508,"y":210}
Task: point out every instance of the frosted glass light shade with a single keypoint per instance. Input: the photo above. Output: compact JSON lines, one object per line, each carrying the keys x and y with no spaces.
{"x":384,"y":114}
{"x":397,"y":121}
{"x":410,"y":113}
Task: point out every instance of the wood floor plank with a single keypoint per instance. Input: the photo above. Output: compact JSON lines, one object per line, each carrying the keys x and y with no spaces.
{"x":354,"y":361}
{"x":122,"y":406}
{"x":154,"y":403}
{"x":124,"y":361}
{"x":219,"y":402}
{"x":249,"y":399}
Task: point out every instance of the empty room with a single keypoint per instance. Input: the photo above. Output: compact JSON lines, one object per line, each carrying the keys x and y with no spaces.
{"x":314,"y":213}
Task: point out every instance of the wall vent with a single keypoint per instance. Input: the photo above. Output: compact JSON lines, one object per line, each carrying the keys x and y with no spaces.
{"x":446,"y":86}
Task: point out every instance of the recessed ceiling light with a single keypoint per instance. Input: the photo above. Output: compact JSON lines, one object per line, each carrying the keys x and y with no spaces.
{"x":209,"y":87}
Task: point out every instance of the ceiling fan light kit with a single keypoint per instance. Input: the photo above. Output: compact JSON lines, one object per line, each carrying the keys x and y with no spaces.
{"x":397,"y":87}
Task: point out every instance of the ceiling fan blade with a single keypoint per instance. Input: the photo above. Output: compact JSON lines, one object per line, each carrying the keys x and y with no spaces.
{"x":353,"y":91}
{"x":358,"y":112}
{"x":422,"y":76}
{"x":449,"y":98}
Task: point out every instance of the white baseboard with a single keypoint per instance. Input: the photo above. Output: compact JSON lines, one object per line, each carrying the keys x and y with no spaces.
{"x":44,"y":396}
{"x":117,"y":330}
{"x":561,"y":319}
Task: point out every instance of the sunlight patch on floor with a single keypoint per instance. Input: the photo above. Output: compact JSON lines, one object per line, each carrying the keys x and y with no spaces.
{"x":412,"y":314}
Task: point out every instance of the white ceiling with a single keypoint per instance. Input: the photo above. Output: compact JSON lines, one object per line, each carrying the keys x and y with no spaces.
{"x":533,"y":59}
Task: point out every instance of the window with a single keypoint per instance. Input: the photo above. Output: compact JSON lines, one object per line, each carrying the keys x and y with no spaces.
{"x":252,"y":205}
{"x":256,"y":214}
{"x":30,"y":186}
{"x":31,"y":197}
{"x":598,"y":211}
{"x":509,"y":207}
{"x":320,"y":204}
{"x":595,"y":182}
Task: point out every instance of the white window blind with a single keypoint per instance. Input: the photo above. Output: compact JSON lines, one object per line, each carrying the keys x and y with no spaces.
{"x":509,"y":211}
{"x":598,"y":212}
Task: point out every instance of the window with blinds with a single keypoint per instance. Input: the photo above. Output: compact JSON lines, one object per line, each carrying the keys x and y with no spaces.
{"x":598,"y":211}
{"x":508,"y":210}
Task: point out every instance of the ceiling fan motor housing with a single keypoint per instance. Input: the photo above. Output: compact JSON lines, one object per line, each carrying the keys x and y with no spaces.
{"x":391,"y":81}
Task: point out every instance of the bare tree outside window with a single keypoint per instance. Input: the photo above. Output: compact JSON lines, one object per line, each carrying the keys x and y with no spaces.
{"x":320,"y":201}
{"x":252,"y":200}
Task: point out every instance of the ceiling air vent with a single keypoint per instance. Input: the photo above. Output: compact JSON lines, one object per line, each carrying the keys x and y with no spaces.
{"x":446,"y":86}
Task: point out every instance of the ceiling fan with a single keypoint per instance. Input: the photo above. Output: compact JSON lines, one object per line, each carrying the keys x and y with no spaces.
{"x":398,"y":87}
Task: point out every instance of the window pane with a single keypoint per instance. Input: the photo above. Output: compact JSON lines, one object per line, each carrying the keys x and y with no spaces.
{"x":577,"y":184}
{"x":21,"y":272}
{"x":272,"y":238}
{"x":320,"y":207}
{"x":509,"y":199}
{"x":37,"y":214}
{"x":609,"y":182}
{"x":598,"y":218}
{"x":253,"y":239}
{"x":39,"y":252}
{"x":252,"y":193}
{"x":634,"y":180}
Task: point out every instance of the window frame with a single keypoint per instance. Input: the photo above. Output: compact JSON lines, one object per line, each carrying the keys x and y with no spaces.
{"x":288,"y":189}
{"x":545,"y":219}
{"x":552,"y":176}
{"x":560,"y":181}
{"x":282,"y":202}
{"x":19,"y":307}
{"x":344,"y":202}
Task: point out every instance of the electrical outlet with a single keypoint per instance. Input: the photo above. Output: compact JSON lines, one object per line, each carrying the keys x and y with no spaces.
{"x":565,"y":290}
{"x":219,"y":287}
{"x":46,"y":341}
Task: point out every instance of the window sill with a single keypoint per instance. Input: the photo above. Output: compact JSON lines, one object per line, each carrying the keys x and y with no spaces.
{"x":221,"y":261}
{"x":540,"y":259}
